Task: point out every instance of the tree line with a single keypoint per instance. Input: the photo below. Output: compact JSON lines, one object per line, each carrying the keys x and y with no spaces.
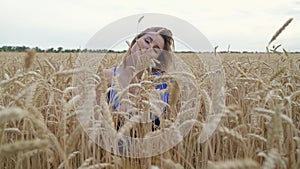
{"x":62,"y":50}
{"x":54,"y":50}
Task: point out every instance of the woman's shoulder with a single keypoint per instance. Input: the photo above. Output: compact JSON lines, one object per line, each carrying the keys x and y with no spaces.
{"x":109,"y":73}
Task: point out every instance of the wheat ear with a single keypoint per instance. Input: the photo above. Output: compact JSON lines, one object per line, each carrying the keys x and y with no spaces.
{"x":280,"y":30}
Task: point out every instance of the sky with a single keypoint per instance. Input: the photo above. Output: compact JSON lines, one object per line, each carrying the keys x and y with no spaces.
{"x":244,"y":25}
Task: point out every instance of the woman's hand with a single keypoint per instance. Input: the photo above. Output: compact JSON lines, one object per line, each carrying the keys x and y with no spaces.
{"x":142,"y":59}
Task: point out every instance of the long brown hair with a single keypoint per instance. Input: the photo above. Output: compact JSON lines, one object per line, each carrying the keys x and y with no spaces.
{"x":165,"y":57}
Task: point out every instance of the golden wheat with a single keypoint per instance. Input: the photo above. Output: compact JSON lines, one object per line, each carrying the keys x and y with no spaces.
{"x":260,"y":129}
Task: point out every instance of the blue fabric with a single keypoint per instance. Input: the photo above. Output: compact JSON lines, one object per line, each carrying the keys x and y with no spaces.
{"x":112,"y":98}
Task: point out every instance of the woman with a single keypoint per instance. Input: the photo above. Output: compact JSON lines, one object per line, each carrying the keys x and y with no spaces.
{"x":157,"y":41}
{"x":152,"y":46}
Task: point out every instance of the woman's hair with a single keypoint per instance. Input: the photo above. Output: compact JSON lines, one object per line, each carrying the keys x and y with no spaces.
{"x":165,"y":57}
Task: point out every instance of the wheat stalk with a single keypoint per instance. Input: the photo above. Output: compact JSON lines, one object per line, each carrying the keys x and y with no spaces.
{"x":235,"y":164}
{"x":23,"y":146}
{"x":280,"y":30}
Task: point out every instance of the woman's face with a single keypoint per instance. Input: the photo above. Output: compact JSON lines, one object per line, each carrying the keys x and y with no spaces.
{"x":150,"y":40}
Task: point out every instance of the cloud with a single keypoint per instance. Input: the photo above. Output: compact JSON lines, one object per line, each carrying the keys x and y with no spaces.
{"x":244,"y":24}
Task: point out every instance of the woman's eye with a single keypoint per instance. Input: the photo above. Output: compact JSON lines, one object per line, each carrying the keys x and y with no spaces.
{"x":147,"y":40}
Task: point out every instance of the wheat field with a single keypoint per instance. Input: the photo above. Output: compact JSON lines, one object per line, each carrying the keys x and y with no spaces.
{"x":259,"y":129}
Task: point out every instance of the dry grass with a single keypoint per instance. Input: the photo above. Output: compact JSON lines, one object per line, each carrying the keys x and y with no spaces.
{"x":260,"y":128}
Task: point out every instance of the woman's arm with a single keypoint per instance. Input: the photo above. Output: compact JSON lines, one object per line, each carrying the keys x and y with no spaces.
{"x":124,"y":75}
{"x":108,"y":73}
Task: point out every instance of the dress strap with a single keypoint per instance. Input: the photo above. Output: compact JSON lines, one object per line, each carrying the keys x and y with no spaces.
{"x":115,"y":71}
